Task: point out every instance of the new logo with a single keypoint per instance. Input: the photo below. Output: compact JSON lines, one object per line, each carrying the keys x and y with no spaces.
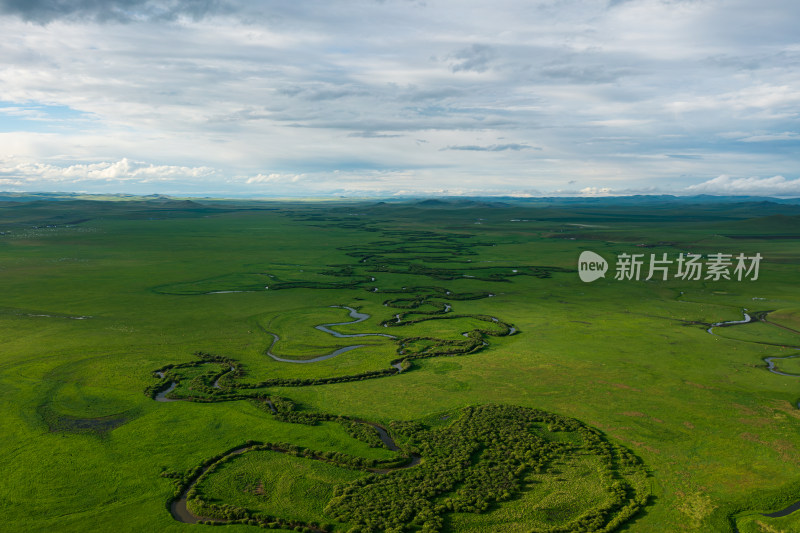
{"x":591,"y":266}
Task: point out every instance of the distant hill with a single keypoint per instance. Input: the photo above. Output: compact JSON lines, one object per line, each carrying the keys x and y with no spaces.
{"x":465,"y":201}
{"x":67,"y":196}
{"x":642,"y":199}
{"x":457,"y":202}
{"x":734,"y":206}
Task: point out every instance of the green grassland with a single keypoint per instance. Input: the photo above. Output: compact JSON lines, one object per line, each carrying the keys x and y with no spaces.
{"x":789,"y":318}
{"x":790,"y":365}
{"x":99,"y":295}
{"x":278,"y":484}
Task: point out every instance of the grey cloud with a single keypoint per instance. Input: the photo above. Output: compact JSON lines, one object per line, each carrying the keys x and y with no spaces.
{"x":382,"y":116}
{"x":407,"y":124}
{"x":584,"y":74}
{"x":614,"y":3}
{"x":43,"y":11}
{"x":416,"y":94}
{"x":318,"y":93}
{"x":242,"y":115}
{"x":735,"y":62}
{"x":333,"y":91}
{"x":753,"y":62}
{"x":492,"y":148}
{"x":475,"y":58}
{"x":373,"y":135}
{"x":772,"y":137}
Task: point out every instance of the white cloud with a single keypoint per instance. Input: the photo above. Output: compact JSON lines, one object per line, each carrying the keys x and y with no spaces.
{"x":774,"y":186}
{"x":596,"y":191}
{"x":769,"y":137}
{"x":274,"y":178}
{"x":764,"y":101}
{"x":24,"y":112}
{"x":122,"y":170}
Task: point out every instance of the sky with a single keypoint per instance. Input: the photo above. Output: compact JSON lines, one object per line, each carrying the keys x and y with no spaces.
{"x":400,"y":97}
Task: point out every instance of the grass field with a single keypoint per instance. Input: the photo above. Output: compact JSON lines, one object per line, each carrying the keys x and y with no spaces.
{"x":277,"y":484}
{"x":99,"y":295}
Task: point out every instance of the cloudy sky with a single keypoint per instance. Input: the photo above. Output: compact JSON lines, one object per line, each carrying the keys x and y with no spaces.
{"x":288,"y":98}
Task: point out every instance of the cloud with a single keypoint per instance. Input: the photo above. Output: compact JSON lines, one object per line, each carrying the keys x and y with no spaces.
{"x":584,"y":73}
{"x":765,"y":101}
{"x":724,"y":184}
{"x":614,"y":3}
{"x":769,"y":137}
{"x":373,"y":135}
{"x":274,"y":178}
{"x":492,"y":148}
{"x":122,"y":170}
{"x":632,"y":97}
{"x":24,"y":112}
{"x":475,"y":58}
{"x":43,"y":11}
{"x":320,"y":92}
{"x":596,"y":191}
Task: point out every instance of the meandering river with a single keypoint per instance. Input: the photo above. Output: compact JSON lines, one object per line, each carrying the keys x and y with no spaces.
{"x":359,"y":317}
{"x":180,"y":510}
{"x":771,"y":367}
